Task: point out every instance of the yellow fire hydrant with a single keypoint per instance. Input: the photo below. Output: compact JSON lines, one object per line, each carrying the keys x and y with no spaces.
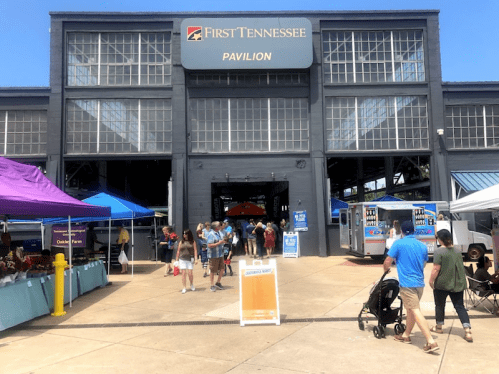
{"x":60,"y":265}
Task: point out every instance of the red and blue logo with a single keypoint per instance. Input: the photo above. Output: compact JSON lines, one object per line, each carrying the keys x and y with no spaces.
{"x":194,"y":33}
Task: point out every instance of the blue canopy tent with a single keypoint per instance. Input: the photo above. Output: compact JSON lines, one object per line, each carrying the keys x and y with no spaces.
{"x":120,"y":210}
{"x":336,"y":205}
{"x":388,"y":198}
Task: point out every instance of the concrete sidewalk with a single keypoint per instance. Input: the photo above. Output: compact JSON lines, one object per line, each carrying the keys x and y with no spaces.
{"x":145,"y":325}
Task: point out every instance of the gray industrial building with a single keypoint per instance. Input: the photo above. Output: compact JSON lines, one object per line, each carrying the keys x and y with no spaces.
{"x":201,"y":111}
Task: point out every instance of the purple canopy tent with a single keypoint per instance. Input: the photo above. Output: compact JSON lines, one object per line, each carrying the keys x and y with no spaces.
{"x":26,"y":193}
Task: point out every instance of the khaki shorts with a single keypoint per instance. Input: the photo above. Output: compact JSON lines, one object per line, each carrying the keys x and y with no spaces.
{"x":410,"y":296}
{"x":216,"y":264}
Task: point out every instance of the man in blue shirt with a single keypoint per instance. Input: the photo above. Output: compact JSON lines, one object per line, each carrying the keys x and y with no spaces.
{"x":216,"y":243}
{"x":411,"y":256}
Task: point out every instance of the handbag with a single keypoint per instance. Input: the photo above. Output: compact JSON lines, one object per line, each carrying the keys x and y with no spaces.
{"x":122,"y":259}
{"x":176,"y":270}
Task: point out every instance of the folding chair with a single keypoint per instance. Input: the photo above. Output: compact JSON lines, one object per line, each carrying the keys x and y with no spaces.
{"x":478,"y":292}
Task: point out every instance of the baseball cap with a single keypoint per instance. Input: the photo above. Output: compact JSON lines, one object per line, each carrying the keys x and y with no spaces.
{"x":407,"y":227}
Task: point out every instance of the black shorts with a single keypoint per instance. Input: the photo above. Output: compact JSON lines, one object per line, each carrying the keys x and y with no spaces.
{"x":167,"y":255}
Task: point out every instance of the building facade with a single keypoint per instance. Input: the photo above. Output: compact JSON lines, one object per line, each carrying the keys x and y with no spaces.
{"x":201,"y":111}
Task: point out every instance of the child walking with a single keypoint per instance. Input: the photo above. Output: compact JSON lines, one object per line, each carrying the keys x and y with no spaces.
{"x":227,"y":258}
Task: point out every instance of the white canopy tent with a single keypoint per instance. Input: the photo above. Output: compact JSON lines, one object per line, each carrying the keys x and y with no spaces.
{"x":486,"y":200}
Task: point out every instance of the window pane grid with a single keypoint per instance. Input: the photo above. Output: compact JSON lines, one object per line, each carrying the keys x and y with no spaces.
{"x":472,"y":126}
{"x":123,"y":59}
{"x":155,"y":57}
{"x":155,"y":122}
{"x":272,"y":79}
{"x":409,"y":56}
{"x":119,"y":59}
{"x":338,"y":57}
{"x":373,"y":57}
{"x":376,"y":123}
{"x":83,"y":59}
{"x":370,"y":57}
{"x":26,"y":132}
{"x":112,"y":126}
{"x":250,"y":123}
{"x":118,"y":126}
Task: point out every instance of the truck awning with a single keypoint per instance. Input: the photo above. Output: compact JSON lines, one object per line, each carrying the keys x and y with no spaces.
{"x":396,"y":207}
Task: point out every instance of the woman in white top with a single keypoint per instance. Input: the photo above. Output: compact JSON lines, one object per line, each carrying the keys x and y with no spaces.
{"x":395,"y":234}
{"x":396,"y":231}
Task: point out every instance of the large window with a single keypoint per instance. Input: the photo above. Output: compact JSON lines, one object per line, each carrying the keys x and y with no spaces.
{"x":23,"y":132}
{"x":249,"y":125}
{"x":473,"y":126}
{"x":119,"y":126}
{"x":224,"y":79}
{"x":373,"y":56}
{"x":119,"y":59}
{"x":376,"y":123}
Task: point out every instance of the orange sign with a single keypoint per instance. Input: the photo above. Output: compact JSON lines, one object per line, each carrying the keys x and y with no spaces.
{"x":259,"y":301}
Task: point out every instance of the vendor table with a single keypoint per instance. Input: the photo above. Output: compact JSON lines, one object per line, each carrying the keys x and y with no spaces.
{"x":91,"y":276}
{"x":22,"y":301}
{"x":33,"y":297}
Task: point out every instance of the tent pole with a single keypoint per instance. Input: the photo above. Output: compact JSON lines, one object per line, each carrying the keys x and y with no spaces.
{"x":132,"y":248}
{"x":70,"y":263}
{"x":42,"y":229}
{"x":155,"y":241}
{"x":109,"y":251}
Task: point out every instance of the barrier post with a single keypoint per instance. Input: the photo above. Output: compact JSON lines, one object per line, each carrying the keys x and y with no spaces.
{"x":60,"y":265}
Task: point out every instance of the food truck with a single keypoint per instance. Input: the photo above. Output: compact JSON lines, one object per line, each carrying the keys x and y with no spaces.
{"x":364,"y":227}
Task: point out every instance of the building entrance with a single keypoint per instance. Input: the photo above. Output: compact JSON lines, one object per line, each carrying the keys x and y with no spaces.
{"x":238,"y":200}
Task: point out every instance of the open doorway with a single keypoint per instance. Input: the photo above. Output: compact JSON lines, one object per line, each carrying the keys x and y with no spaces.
{"x":271,"y":197}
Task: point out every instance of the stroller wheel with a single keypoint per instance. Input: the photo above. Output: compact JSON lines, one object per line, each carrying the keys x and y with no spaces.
{"x":399,"y":328}
{"x":382,"y":330}
{"x":361,"y":326}
{"x":377,"y":332}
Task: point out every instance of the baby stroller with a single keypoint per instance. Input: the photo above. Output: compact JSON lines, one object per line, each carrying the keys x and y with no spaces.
{"x":379,"y":304}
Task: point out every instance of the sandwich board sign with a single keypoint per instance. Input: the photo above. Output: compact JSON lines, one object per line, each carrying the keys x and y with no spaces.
{"x":291,"y":245}
{"x":259,"y":299}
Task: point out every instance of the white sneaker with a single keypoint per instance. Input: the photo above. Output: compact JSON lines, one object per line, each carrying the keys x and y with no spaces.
{"x":193,"y":288}
{"x":184,"y":290}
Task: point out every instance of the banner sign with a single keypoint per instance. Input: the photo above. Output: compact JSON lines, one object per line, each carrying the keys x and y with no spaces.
{"x":259,"y":300}
{"x":60,"y":236}
{"x":291,"y":244}
{"x":246,"y":43}
{"x":300,"y":221}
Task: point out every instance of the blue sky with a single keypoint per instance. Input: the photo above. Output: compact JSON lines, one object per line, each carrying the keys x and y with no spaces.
{"x":468,"y":30}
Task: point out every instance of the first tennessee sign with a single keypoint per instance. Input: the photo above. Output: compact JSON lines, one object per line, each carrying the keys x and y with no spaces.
{"x":246,"y":43}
